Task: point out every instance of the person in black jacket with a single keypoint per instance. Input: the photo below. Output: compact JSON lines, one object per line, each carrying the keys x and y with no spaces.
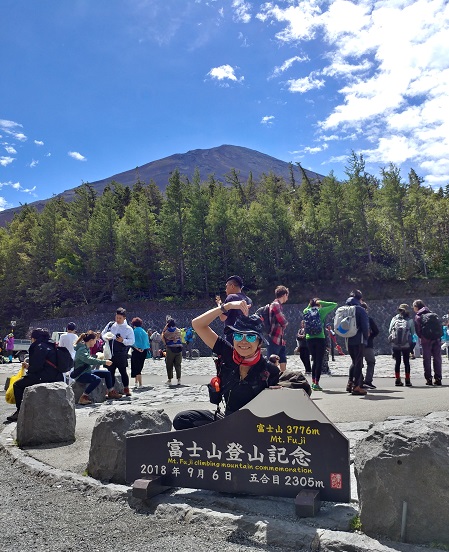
{"x":244,"y":372}
{"x":368,"y":352}
{"x":38,"y":369}
{"x":356,"y":344}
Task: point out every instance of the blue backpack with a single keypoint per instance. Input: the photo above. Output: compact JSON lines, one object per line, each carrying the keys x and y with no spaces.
{"x":312,"y":321}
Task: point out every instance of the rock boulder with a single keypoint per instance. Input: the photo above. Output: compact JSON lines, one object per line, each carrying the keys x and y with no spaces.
{"x":405,"y":461}
{"x":107,"y":455}
{"x":47,"y":415}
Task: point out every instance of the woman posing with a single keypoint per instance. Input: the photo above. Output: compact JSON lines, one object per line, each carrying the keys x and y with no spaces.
{"x":244,"y":372}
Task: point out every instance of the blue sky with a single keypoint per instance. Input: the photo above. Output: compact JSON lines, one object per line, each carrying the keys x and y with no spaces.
{"x":91,"y":88}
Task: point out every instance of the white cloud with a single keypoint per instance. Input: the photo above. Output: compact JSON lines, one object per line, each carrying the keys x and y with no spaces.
{"x":316,"y":149}
{"x":301,"y":20}
{"x":10,"y":150}
{"x":11,"y":128}
{"x":267,"y":120}
{"x":305,"y":84}
{"x":241,"y":11}
{"x":18,"y":187}
{"x":391,"y":59}
{"x":38,"y":142}
{"x":34,"y":163}
{"x":224,"y":72}
{"x":287,"y":64}
{"x":76,"y":155}
{"x":4,"y":204}
{"x":5,"y":161}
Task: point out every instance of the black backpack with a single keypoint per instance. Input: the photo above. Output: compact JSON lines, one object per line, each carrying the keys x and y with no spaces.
{"x":431,"y":327}
{"x":264,"y":314}
{"x":64,"y":360}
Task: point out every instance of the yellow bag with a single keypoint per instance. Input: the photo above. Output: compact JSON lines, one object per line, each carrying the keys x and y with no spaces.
{"x":9,"y":395}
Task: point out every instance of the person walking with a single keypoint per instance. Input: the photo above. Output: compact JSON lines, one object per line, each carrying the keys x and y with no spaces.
{"x":10,"y":347}
{"x":400,"y":335}
{"x":368,"y":352}
{"x":429,"y":330}
{"x":278,"y":325}
{"x":314,"y":317}
{"x":303,"y":349}
{"x":171,"y":336}
{"x":356,"y":344}
{"x":139,"y":351}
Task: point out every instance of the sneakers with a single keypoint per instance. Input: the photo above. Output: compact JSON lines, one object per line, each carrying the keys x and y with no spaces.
{"x":168,"y":382}
{"x":84,"y":399}
{"x":359,"y":391}
{"x":369,"y":386}
{"x":350,"y":386}
{"x":179,"y":381}
{"x":13,"y":417}
{"x":316,"y":387}
{"x":437,"y":381}
{"x":114,"y":394}
{"x":408,"y":383}
{"x":127,"y":392}
{"x":429,"y":381}
{"x":398,"y":382}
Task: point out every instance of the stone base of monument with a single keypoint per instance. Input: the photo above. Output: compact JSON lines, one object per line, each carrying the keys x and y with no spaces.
{"x":144,"y":489}
{"x":307,"y":503}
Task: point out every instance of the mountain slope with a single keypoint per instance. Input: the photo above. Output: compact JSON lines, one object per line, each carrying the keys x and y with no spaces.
{"x":218,"y":161}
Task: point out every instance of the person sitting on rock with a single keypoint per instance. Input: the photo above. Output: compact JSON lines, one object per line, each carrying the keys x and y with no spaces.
{"x":83,"y":371}
{"x":243,"y":373}
{"x":38,"y":369}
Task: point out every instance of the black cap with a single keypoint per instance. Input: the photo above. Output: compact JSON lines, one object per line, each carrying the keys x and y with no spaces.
{"x":250,"y":325}
{"x":71,"y":326}
{"x":236,"y":279}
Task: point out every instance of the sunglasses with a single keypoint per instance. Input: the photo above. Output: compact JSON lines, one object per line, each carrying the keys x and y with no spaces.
{"x":250,"y":338}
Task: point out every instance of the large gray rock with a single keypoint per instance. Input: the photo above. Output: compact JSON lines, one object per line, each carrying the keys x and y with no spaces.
{"x":407,"y":461}
{"x":98,"y":395}
{"x":107,"y":455}
{"x":47,"y":415}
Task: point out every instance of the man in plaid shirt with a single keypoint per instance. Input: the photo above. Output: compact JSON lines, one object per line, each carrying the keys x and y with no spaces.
{"x":276,"y":345}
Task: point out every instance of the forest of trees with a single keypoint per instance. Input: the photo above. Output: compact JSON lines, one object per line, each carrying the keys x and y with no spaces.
{"x":141,"y":244}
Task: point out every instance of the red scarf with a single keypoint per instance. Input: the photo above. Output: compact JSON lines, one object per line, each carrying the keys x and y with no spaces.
{"x":245,"y":361}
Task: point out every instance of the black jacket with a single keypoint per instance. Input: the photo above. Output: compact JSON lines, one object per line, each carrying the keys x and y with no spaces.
{"x":39,"y":352}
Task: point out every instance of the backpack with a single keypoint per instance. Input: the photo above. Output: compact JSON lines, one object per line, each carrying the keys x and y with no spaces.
{"x":64,"y":360}
{"x":312,"y":321}
{"x":431,"y":327}
{"x":345,"y":323}
{"x":264,"y":315}
{"x":400,"y":334}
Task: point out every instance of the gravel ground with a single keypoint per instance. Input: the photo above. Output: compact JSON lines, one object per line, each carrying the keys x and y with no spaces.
{"x":37,"y":514}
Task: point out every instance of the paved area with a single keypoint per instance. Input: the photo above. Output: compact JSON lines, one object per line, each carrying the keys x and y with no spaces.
{"x":340,"y":407}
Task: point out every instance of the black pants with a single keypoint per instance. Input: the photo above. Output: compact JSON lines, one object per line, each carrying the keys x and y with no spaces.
{"x":137,"y":361}
{"x":189,"y":419}
{"x":304,"y":355}
{"x":317,"y":346}
{"x":28,"y":380}
{"x":405,"y":354}
{"x":120,"y":361}
{"x":355,"y":374}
